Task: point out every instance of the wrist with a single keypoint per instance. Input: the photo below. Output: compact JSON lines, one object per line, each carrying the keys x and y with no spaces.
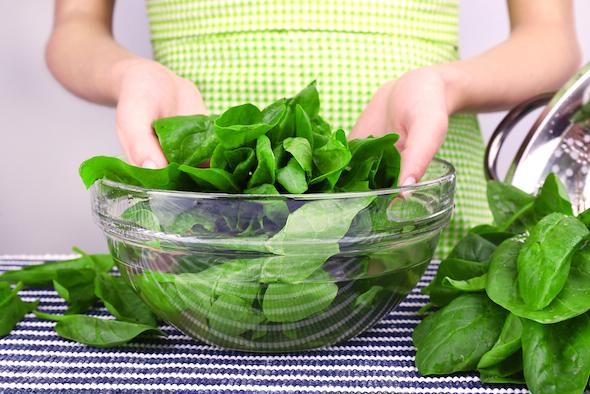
{"x":456,"y":85}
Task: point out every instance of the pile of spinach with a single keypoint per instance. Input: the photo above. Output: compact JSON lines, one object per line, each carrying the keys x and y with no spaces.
{"x":514,"y":296}
{"x":286,"y":147}
{"x":85,"y":283}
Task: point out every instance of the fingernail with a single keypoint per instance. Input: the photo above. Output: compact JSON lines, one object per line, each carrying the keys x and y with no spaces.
{"x":149,"y":164}
{"x":409,"y":181}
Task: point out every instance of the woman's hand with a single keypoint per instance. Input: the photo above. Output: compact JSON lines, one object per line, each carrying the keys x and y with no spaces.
{"x":416,"y":106}
{"x":148,"y":91}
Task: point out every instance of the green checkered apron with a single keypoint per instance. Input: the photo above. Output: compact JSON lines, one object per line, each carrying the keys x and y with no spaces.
{"x":241,"y":51}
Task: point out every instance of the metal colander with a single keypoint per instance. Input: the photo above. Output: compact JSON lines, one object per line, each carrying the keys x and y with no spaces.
{"x":558,"y":141}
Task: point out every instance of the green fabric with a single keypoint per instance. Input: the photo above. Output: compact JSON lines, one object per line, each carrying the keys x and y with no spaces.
{"x":257,"y":50}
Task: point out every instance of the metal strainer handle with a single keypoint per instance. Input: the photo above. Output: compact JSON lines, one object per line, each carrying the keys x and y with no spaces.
{"x":505,"y":127}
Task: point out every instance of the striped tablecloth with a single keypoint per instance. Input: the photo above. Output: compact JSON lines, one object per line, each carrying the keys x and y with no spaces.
{"x":33,"y":359}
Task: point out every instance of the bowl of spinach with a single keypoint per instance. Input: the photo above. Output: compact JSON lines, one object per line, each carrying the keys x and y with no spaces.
{"x":268,"y":231}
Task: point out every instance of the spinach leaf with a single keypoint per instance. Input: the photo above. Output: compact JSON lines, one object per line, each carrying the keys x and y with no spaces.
{"x":96,"y":332}
{"x":303,"y":127}
{"x":454,"y":338}
{"x":44,"y":274}
{"x":556,"y":357}
{"x":12,"y":308}
{"x":141,"y":216}
{"x":212,"y":179}
{"x":239,"y":125}
{"x":193,"y":221}
{"x":186,"y":140}
{"x":321,"y":219}
{"x":231,"y":315}
{"x":544,"y":261}
{"x":474,"y":284}
{"x":292,"y":177}
{"x":502,"y":286}
{"x":512,"y":209}
{"x":507,"y":344}
{"x":120,"y":299}
{"x":491,"y":233}
{"x":369,"y":163}
{"x":76,"y":286}
{"x":507,"y":371}
{"x":274,"y":210}
{"x":468,"y":259}
{"x":291,"y":268}
{"x":167,"y":178}
{"x":240,"y":162}
{"x":329,"y":160}
{"x":308,"y":99}
{"x":265,"y":172}
{"x":584,"y":217}
{"x":301,"y":151}
{"x":286,"y":302}
{"x":366,"y":298}
{"x":553,"y":197}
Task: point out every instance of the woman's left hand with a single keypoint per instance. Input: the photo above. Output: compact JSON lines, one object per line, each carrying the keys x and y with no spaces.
{"x":415,"y":106}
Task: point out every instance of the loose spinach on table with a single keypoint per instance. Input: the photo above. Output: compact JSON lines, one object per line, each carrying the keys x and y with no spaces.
{"x":533,"y":265}
{"x":82,"y":282}
{"x":12,"y":308}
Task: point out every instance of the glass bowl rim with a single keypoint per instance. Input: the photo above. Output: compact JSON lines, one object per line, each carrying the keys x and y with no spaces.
{"x":449,"y":175}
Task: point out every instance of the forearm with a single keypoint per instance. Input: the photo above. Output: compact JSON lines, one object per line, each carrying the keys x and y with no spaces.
{"x":84,"y":57}
{"x":533,"y":60}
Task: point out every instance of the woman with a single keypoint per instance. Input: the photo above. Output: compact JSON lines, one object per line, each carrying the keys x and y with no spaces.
{"x":397,"y":59}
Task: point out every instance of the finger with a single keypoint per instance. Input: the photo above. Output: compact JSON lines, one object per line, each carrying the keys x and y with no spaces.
{"x":373,"y":119}
{"x":134,"y":129}
{"x":423,"y":139}
{"x":189,"y":99}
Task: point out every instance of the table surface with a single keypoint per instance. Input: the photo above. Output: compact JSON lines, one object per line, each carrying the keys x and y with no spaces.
{"x":34,"y":359}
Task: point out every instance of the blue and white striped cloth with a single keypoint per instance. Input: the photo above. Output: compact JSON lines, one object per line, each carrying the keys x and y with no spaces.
{"x":33,"y":359}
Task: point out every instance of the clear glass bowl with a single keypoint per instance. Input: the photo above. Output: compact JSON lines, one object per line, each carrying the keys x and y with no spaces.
{"x":274,"y":273}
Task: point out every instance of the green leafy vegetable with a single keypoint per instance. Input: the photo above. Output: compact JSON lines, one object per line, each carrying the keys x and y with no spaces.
{"x":512,"y":208}
{"x":96,"y":332}
{"x":44,"y":274}
{"x":468,"y":259}
{"x":534,"y":264}
{"x":507,"y":344}
{"x":456,"y":337}
{"x":122,"y":301}
{"x":300,"y":148}
{"x":186,"y":140}
{"x":12,"y":308}
{"x":544,"y":261}
{"x":502,"y":286}
{"x":265,"y":173}
{"x":284,"y":302}
{"x":292,"y":177}
{"x":76,"y":286}
{"x":557,"y":356}
{"x":212,"y":179}
{"x":553,"y":197}
{"x":245,"y":123}
{"x":475,"y":284}
{"x":117,"y":170}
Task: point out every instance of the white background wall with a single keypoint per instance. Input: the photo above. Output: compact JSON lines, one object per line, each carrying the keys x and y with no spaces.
{"x":45,"y":132}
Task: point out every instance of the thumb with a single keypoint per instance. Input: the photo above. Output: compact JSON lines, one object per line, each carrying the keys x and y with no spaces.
{"x":425,"y":135}
{"x":374,"y":119}
{"x":134,"y":129}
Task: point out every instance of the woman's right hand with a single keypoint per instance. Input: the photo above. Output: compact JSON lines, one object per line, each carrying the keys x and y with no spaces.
{"x":148,"y":91}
